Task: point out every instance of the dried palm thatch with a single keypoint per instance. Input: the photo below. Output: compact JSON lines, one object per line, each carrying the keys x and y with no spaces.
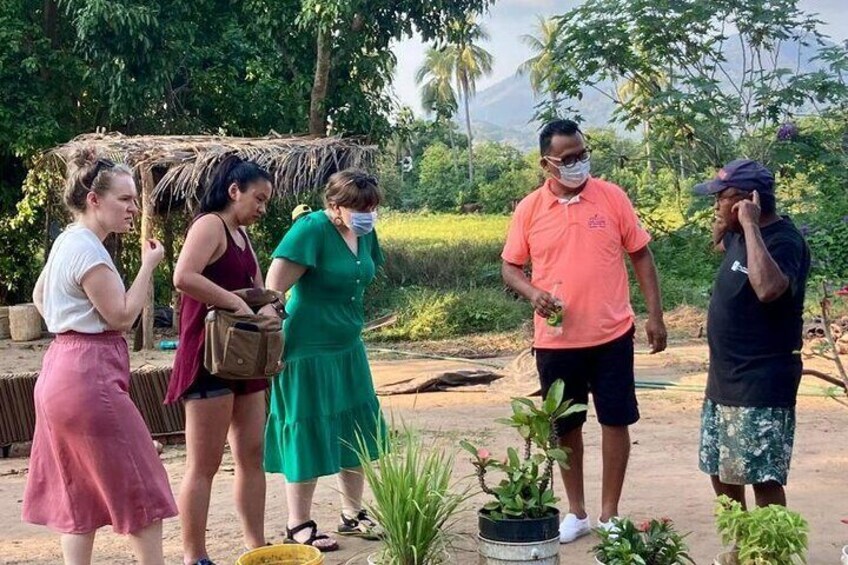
{"x":182,"y":165}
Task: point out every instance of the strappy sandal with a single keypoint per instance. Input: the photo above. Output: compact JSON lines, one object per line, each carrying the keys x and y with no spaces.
{"x":313,"y":537}
{"x":363,"y":526}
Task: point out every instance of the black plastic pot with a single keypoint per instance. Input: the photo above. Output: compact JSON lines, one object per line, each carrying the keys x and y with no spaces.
{"x":518,"y":531}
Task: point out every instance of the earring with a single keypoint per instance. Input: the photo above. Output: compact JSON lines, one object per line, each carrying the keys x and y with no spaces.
{"x":338,"y":221}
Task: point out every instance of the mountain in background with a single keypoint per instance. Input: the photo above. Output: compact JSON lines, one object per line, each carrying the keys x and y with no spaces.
{"x":504,"y":111}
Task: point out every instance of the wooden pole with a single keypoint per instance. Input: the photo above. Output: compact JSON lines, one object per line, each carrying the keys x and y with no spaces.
{"x":168,"y":241}
{"x":147,"y":233}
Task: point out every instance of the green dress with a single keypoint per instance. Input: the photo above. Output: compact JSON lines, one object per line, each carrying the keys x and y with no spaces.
{"x":325,"y":393}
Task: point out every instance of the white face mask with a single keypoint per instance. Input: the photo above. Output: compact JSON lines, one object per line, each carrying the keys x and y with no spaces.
{"x":575,"y":175}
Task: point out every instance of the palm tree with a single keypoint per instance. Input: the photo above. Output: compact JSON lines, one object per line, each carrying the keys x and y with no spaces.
{"x":438,"y":96}
{"x":470,"y":63}
{"x":436,"y":74}
{"x":540,"y":64}
{"x":636,"y":92}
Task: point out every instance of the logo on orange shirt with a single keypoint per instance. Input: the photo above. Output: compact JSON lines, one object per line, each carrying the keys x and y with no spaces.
{"x":597,"y":222}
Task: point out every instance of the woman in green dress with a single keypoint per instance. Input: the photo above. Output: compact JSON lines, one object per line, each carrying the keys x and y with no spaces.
{"x":325,"y":394}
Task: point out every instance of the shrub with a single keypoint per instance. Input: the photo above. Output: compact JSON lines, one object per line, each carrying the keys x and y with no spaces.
{"x":652,"y":543}
{"x":498,"y":196}
{"x":771,"y":535}
{"x":525,"y":490}
{"x":442,"y":176}
{"x":426,"y":314}
{"x":828,"y":241}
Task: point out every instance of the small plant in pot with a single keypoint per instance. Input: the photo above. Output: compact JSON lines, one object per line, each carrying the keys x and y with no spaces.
{"x":655,"y":542}
{"x":414,"y":500}
{"x":773,"y":535}
{"x":524,"y":508}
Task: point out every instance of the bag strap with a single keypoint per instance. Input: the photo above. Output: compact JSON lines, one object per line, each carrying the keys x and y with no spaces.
{"x":258,"y":297}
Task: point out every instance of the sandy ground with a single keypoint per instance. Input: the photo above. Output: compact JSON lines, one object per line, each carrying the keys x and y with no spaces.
{"x":663,"y":479}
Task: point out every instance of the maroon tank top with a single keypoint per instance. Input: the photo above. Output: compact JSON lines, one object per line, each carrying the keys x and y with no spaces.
{"x":233,"y":270}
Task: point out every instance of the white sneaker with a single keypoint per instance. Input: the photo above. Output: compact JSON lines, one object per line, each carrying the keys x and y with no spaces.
{"x":573,"y":527}
{"x":609,"y":526}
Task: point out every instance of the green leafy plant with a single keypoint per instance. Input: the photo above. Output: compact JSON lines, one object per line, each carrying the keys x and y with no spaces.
{"x":413,"y":497}
{"x":772,"y":535}
{"x":525,"y":489}
{"x":655,"y":542}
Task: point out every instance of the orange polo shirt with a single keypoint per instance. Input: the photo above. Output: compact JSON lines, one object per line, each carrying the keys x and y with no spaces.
{"x":582,"y":244}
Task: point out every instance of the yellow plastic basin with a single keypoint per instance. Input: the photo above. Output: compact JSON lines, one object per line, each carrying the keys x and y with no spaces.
{"x":282,"y":555}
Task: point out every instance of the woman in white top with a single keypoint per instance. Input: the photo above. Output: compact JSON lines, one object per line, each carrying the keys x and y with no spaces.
{"x":93,"y":462}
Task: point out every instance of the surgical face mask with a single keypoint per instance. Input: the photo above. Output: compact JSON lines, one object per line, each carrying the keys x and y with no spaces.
{"x":362,"y":222}
{"x":575,"y":175}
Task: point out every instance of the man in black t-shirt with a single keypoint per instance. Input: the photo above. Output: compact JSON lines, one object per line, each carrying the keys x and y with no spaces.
{"x":754,"y":333}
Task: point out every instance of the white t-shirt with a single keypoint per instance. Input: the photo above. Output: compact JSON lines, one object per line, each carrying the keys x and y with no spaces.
{"x":66,"y":306}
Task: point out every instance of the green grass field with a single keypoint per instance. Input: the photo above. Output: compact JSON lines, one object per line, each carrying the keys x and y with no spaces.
{"x":427,"y":231}
{"x":443,"y":279}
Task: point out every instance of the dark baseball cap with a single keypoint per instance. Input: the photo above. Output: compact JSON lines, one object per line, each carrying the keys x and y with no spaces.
{"x":741,"y":174}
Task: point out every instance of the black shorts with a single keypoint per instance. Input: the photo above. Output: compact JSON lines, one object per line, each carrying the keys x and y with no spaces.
{"x":604,"y":370}
{"x":207,"y":385}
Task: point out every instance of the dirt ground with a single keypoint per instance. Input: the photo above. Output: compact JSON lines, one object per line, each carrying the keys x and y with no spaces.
{"x":663,"y":479}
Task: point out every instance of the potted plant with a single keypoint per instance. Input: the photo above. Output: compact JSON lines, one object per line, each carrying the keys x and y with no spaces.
{"x":521,"y":523}
{"x":655,"y":542}
{"x":772,"y":535}
{"x":413,"y":498}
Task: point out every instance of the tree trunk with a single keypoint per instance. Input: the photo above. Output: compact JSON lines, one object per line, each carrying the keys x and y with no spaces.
{"x":317,"y":107}
{"x":50,"y":12}
{"x":449,"y":125}
{"x":49,"y":22}
{"x":647,"y":126}
{"x":146,"y":324}
{"x":465,"y":95}
{"x":168,"y":242}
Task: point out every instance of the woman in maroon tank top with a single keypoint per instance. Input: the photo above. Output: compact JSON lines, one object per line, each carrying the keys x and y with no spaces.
{"x":217,"y":258}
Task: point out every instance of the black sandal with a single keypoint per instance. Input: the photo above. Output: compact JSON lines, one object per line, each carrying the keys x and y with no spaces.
{"x":363,"y":526}
{"x":314,"y":536}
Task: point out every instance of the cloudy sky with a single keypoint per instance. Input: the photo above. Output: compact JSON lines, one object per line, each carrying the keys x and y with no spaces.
{"x":510,"y":19}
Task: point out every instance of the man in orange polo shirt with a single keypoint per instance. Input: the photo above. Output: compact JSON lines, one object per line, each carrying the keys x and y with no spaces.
{"x":575,"y":231}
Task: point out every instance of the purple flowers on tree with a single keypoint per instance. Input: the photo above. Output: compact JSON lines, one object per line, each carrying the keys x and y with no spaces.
{"x":787,"y":132}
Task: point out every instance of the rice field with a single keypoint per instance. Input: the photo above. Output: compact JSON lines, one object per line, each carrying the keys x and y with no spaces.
{"x":442,"y":230}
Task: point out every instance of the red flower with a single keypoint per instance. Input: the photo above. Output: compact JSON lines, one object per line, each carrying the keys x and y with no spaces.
{"x":666,"y":520}
{"x":645,"y":526}
{"x":484,"y":453}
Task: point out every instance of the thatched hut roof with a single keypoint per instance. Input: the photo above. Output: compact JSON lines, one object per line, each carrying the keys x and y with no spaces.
{"x":181,"y":165}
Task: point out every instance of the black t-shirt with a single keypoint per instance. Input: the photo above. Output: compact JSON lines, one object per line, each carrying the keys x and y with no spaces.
{"x":754,"y":346}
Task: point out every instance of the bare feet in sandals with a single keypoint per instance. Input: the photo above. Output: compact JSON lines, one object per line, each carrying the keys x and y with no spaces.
{"x":362,"y":526}
{"x":308,"y":534}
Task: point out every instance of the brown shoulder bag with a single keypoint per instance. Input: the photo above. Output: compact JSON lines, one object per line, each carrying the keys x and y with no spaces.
{"x":244,"y":346}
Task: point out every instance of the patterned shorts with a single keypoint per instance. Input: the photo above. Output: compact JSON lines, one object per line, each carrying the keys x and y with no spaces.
{"x":746,"y":446}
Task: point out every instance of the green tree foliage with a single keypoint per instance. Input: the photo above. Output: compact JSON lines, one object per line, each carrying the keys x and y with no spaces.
{"x":461,"y":60}
{"x":361,"y":31}
{"x":503,"y":175}
{"x":439,"y":181}
{"x":243,"y":67}
{"x":674,"y":58}
{"x":435,"y":76}
{"x":540,"y":66}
